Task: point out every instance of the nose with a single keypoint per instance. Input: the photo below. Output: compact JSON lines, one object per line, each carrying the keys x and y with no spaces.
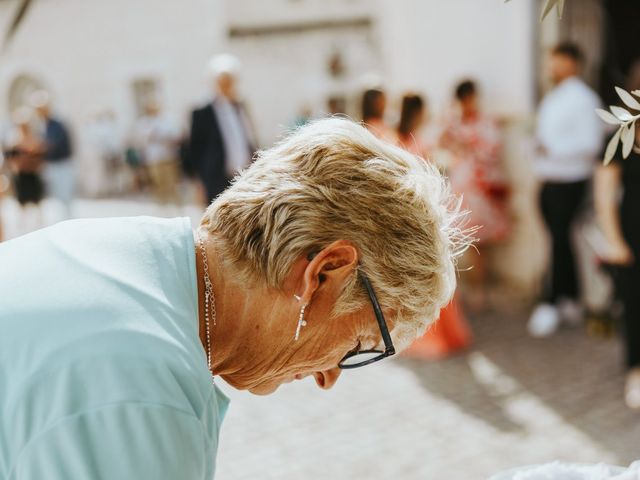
{"x":327,"y":378}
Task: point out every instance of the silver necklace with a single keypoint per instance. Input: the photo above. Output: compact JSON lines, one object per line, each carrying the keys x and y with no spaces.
{"x":209,"y":300}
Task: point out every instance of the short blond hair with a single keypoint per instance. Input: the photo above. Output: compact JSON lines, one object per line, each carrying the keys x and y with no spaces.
{"x":333,"y":180}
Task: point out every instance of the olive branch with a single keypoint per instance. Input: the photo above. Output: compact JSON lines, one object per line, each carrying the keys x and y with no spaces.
{"x":559,"y":4}
{"x":626,"y":122}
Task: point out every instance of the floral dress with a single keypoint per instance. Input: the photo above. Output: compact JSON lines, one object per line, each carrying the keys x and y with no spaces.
{"x":476,"y":174}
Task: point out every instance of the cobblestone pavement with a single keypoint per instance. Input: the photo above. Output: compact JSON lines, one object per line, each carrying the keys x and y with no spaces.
{"x":508,"y":401}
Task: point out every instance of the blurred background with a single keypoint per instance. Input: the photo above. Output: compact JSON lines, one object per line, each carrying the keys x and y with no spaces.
{"x":121,"y":79}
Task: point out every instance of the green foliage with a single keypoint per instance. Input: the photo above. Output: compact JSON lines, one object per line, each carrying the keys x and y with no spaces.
{"x":559,"y":4}
{"x":626,"y":122}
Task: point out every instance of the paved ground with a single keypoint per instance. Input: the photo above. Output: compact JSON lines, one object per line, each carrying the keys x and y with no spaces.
{"x":509,"y":401}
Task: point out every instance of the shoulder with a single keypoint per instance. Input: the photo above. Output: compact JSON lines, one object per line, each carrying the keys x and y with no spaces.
{"x":116,"y":224}
{"x":204,"y":109}
{"x":120,"y":244}
{"x":582,"y":92}
{"x":57,"y":124}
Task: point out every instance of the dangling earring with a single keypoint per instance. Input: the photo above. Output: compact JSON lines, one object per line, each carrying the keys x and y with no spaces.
{"x":301,"y":320}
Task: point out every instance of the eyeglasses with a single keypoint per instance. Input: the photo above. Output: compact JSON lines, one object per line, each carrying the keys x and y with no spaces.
{"x":365,"y":357}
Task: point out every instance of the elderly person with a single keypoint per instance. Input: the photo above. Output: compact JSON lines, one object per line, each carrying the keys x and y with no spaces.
{"x":332,"y":251}
{"x":221,"y":141}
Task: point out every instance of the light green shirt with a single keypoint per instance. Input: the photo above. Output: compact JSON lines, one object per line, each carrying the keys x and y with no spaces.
{"x":102,"y":372}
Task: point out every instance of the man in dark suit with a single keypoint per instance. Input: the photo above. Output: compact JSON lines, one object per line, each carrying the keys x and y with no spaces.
{"x":221,"y":141}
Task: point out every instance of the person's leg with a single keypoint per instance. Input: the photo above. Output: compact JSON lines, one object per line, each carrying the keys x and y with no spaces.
{"x":168,"y":182}
{"x":545,"y":319}
{"x":562,"y":205}
{"x":547,"y":200}
{"x":155,"y":175}
{"x":628,"y":281}
{"x":559,"y":204}
{"x":60,"y":183}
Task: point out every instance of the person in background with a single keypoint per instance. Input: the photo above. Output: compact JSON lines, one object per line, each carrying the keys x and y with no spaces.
{"x":23,"y":152}
{"x":157,"y":139}
{"x":412,"y":119}
{"x":58,"y":169}
{"x":222,"y":141}
{"x":618,"y":219}
{"x":568,"y":140}
{"x":109,"y":150}
{"x":451,"y":332}
{"x":374,"y":102}
{"x":336,"y":105}
{"x":476,"y":173}
{"x":304,"y":116}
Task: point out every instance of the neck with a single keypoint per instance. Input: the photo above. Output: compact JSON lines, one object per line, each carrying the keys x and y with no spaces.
{"x":217,"y":319}
{"x":248,"y":341}
{"x":565,"y":78}
{"x":233,"y":326}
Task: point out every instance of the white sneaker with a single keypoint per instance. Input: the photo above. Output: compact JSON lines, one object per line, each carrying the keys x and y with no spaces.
{"x":571,"y":312}
{"x":544,"y":321}
{"x":632,"y":389}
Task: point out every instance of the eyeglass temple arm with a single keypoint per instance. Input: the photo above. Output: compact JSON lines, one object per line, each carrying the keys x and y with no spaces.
{"x":384,"y":329}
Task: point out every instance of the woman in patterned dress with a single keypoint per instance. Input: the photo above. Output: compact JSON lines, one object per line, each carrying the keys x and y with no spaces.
{"x":476,"y":173}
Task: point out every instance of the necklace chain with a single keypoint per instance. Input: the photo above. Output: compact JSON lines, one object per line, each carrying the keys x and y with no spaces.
{"x":209,"y":300}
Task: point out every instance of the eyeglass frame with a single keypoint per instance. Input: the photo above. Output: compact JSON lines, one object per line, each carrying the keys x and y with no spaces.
{"x":389,"y":349}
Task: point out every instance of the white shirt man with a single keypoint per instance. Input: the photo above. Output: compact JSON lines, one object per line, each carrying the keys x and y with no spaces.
{"x":569,"y":136}
{"x":569,"y":132}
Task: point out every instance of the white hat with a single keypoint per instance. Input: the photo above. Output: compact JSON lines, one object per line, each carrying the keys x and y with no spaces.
{"x":224,"y":63}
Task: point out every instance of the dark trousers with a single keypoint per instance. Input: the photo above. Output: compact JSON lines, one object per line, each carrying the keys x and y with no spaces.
{"x":628,"y":283}
{"x":559,"y":204}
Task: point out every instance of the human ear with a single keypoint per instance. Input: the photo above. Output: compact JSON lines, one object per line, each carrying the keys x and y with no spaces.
{"x":334,"y":263}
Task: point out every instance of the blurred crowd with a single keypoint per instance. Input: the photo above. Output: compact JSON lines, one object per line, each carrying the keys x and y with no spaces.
{"x":466,"y":144}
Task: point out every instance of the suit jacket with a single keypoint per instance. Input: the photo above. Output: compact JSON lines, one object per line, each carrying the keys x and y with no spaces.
{"x":206,"y":150}
{"x":57,"y":140}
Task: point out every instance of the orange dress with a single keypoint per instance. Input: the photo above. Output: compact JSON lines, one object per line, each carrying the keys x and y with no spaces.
{"x":447,"y":335}
{"x":451,"y":331}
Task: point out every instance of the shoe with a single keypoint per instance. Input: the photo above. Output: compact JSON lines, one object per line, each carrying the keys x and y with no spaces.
{"x":544,"y":321}
{"x":632,"y":389}
{"x":571,"y":312}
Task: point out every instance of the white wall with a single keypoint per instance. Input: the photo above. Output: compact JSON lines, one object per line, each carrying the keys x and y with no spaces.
{"x":281,"y":74}
{"x":429,"y":45}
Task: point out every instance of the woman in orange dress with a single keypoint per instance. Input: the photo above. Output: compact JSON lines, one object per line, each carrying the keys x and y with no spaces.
{"x":451,"y":332}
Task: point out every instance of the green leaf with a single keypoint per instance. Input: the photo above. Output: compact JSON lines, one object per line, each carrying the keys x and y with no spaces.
{"x":548,"y":7}
{"x":628,"y":138}
{"x":628,"y":100}
{"x":18,"y":19}
{"x":608,"y":117}
{"x":612,"y":146}
{"x":560,"y":8}
{"x":621,"y":113}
